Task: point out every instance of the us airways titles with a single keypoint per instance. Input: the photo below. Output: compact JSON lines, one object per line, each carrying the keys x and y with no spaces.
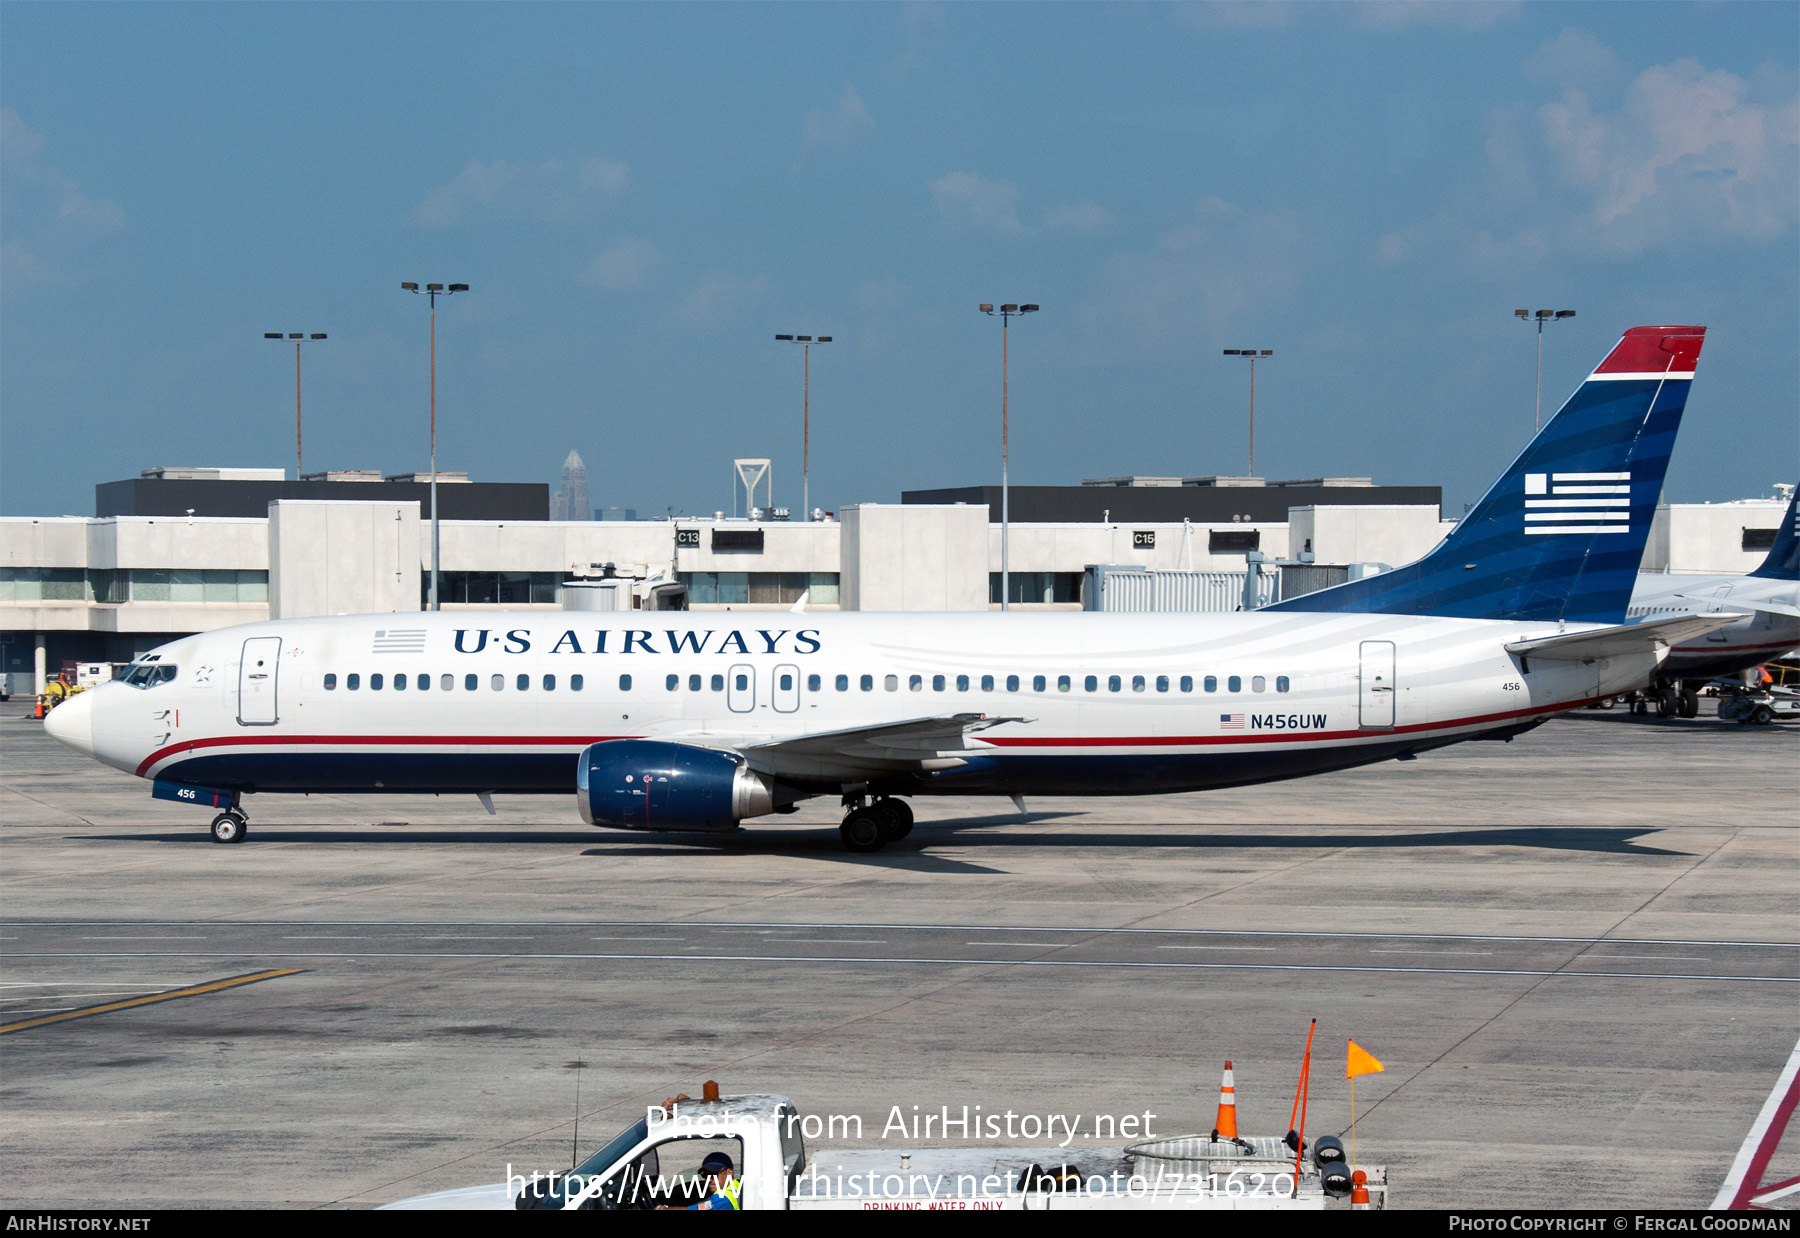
{"x":643,"y":640}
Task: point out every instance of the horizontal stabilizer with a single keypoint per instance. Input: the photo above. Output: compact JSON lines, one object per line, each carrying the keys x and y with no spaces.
{"x":1773,"y":608}
{"x":1658,"y":635}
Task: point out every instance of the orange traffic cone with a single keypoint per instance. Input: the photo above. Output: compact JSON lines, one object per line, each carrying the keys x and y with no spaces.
{"x":1225,"y":1127}
{"x":1359,"y":1192}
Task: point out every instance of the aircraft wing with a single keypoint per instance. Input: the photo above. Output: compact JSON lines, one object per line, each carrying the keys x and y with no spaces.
{"x":1658,"y":635}
{"x":1774,"y":608}
{"x":917,"y":744}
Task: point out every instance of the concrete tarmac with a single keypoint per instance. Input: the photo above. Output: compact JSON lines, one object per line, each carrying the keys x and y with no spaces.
{"x":1578,"y":956}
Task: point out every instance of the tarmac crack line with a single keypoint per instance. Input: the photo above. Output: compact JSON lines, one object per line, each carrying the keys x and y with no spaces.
{"x":1559,"y":970}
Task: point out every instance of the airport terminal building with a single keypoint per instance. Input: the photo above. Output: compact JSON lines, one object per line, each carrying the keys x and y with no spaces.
{"x":179,"y":551}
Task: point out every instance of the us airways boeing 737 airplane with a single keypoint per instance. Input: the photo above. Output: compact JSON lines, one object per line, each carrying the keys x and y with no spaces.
{"x":1769,"y":599}
{"x":698,"y":721}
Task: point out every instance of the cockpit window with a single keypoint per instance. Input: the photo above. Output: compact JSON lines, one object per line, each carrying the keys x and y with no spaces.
{"x":149,"y":674}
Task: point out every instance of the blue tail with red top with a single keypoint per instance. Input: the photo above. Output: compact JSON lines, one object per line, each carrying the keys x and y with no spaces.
{"x":1561,"y":534}
{"x":1783,"y":562}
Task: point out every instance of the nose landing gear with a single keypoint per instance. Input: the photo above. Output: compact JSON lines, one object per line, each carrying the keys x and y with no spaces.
{"x":231,"y":825}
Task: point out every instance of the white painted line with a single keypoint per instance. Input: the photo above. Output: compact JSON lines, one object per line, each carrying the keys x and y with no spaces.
{"x":1672,"y":958}
{"x":1375,"y":951}
{"x":608,"y":937}
{"x":1769,"y":1197}
{"x":836,"y":941}
{"x":157,"y":937}
{"x":489,"y":937}
{"x":865,"y":960}
{"x":326,"y":937}
{"x":1233,"y":949}
{"x":1752,"y":1148}
{"x":1021,"y":945}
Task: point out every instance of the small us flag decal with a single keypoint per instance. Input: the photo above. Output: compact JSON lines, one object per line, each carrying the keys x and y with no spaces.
{"x":1231,"y":722}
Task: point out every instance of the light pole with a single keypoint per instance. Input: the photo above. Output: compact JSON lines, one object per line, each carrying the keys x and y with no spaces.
{"x":806,"y":423}
{"x":1541,"y":317}
{"x":299,"y":338}
{"x":1253,"y":354}
{"x":434,"y":291}
{"x":1005,"y":314}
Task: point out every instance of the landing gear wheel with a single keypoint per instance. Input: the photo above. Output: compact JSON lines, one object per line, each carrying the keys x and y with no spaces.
{"x":862,"y":831}
{"x":1763,"y":715}
{"x":229,"y":827}
{"x":1667,"y":703}
{"x":896,"y":818}
{"x":1689,"y":705}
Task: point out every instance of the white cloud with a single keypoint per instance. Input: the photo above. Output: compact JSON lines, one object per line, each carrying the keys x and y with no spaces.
{"x":841,"y":125}
{"x":1441,"y":14}
{"x":50,"y":223}
{"x":1686,"y":151}
{"x":717,"y":299}
{"x":1215,"y":272}
{"x":622,"y":265}
{"x":1575,"y":60}
{"x":555,"y":191}
{"x":970,"y":202}
{"x":1082,"y":216}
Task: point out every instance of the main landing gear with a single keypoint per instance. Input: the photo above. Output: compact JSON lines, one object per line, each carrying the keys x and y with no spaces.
{"x":231,"y":825}
{"x":871,"y":826}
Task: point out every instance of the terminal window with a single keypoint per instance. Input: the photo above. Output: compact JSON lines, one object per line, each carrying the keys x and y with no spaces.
{"x":1038,"y":587}
{"x":760,"y":588}
{"x":494,"y":588}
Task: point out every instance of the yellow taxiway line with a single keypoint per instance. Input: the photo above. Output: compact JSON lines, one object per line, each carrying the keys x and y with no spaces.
{"x":211,"y":986}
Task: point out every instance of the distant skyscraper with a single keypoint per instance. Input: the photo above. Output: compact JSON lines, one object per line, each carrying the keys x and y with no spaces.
{"x":570,"y":502}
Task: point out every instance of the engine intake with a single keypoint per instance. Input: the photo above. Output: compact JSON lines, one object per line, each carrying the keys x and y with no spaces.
{"x":646,"y":784}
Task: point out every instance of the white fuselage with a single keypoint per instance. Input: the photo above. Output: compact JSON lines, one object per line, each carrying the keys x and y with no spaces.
{"x":1751,"y":641}
{"x":1101,"y":703}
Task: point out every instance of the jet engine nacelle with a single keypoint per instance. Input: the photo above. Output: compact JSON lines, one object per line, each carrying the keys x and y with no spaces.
{"x":644,"y":784}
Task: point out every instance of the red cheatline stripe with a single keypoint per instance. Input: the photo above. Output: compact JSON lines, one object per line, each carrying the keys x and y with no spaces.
{"x":1016,"y":741}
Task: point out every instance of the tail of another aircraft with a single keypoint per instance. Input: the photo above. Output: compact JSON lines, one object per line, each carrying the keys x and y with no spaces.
{"x":1561,"y":534}
{"x":1783,"y":562}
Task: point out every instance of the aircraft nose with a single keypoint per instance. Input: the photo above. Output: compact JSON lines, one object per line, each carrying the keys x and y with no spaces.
{"x":72,"y":723}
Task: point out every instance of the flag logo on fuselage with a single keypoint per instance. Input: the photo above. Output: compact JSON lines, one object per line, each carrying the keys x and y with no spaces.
{"x":1577,"y":503}
{"x":1231,"y":722}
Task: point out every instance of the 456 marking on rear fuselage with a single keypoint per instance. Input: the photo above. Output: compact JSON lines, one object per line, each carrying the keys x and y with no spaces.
{"x":1287,"y":722}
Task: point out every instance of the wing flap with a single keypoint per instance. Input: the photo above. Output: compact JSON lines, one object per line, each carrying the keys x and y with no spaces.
{"x":893,"y":747}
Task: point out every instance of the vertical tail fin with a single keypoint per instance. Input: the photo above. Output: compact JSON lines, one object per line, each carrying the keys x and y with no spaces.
{"x":1561,"y":534}
{"x":1783,"y":562}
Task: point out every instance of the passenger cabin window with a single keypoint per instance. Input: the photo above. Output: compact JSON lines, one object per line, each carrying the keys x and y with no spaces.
{"x":1258,"y":683}
{"x":448,"y":683}
{"x":1062,"y":683}
{"x":694,"y":682}
{"x":549,"y":683}
{"x":962,"y":682}
{"x":785,"y":683}
{"x":1212,"y":683}
{"x":375,"y":682}
{"x":1012,"y":683}
{"x":624,"y":683}
{"x":1187,"y":683}
{"x":891,"y":683}
{"x":524,"y":683}
{"x":937,"y":683}
{"x":471,"y":683}
{"x":1234,"y":684}
{"x":498,"y":683}
{"x":575,"y":682}
{"x":331,"y":683}
{"x":352,"y":682}
{"x":424,"y":683}
{"x":1281,"y":683}
{"x":741,"y":683}
{"x":1113,"y":683}
{"x":399,"y":683}
{"x":813,"y":683}
{"x":1091,"y":683}
{"x":1137,"y":683}
{"x":718,"y":683}
{"x":672,"y":682}
{"x":915,"y":682}
{"x":842,"y":682}
{"x":1162,"y":683}
{"x":987,"y":683}
{"x":868,"y":683}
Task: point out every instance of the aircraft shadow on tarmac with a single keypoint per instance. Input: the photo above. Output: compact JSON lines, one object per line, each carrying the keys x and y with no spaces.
{"x":821,"y":842}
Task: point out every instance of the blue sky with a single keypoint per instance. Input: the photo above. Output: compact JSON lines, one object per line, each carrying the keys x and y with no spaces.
{"x":642,"y":196}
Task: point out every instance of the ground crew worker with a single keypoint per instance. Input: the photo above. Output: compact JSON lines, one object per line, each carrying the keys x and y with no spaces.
{"x":723,"y":1190}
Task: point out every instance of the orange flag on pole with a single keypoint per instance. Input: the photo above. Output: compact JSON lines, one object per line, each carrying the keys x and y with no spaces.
{"x":1360,"y":1061}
